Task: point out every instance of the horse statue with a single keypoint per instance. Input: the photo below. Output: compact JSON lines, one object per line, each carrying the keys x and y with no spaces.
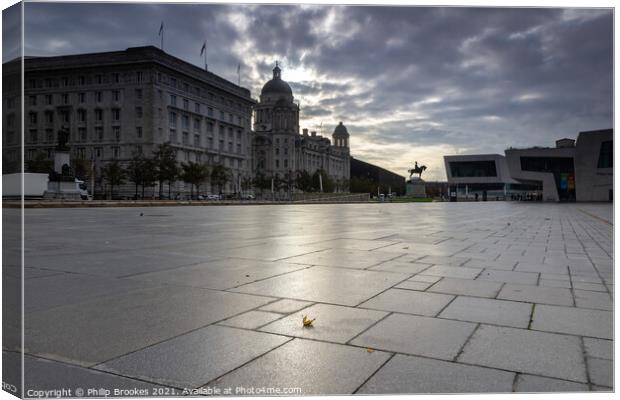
{"x":417,"y":170}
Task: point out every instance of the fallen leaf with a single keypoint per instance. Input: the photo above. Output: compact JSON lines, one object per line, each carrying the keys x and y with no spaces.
{"x":370,"y":350}
{"x":307,"y":322}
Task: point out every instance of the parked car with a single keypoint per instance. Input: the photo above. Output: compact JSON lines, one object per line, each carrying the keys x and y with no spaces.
{"x":213,"y":197}
{"x":248,"y":196}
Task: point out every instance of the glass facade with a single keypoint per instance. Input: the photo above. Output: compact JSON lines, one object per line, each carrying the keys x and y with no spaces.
{"x":606,"y":155}
{"x":466,"y":169}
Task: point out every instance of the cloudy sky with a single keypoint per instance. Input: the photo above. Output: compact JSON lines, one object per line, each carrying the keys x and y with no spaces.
{"x":410,"y":83}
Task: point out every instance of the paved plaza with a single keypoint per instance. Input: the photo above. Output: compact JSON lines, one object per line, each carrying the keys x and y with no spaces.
{"x":408,"y":298}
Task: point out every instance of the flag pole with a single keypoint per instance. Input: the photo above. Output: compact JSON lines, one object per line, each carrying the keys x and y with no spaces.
{"x":206,"y":69}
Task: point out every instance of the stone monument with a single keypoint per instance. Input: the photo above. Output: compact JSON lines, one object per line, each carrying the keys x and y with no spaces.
{"x":416,"y":187}
{"x":62,"y":182}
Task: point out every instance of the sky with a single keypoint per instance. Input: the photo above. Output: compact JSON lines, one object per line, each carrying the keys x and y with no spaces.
{"x":410,"y":83}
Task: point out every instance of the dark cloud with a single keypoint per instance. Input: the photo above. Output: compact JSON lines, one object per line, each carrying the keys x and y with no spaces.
{"x":403,"y":79}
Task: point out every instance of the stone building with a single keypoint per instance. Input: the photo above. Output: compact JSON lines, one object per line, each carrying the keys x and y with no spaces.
{"x":117,"y":103}
{"x":279,"y":148}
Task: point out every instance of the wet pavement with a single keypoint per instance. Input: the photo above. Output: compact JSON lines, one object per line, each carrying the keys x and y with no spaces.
{"x":408,"y":298}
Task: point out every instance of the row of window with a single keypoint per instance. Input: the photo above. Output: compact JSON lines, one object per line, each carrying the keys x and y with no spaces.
{"x":196,"y":90}
{"x":66,"y":98}
{"x":33,"y":116}
{"x":197,"y":142}
{"x":198,"y":108}
{"x":83,"y":80}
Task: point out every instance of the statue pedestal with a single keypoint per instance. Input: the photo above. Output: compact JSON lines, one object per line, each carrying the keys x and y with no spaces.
{"x":416,"y":187}
{"x":61,"y":158}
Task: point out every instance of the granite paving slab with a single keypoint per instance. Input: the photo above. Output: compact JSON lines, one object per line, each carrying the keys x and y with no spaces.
{"x":536,"y":294}
{"x":402,"y":266}
{"x":537,"y":384}
{"x":573,"y":321}
{"x":416,"y":375}
{"x":599,"y":348}
{"x":341,"y":286}
{"x":285,"y":306}
{"x":251,"y":319}
{"x":92,"y":332}
{"x":220,"y":274}
{"x":453,"y":272}
{"x":332,"y":323}
{"x":526,"y":278}
{"x":193,"y":359}
{"x":590,"y":299}
{"x":466,"y":287}
{"x":489,"y":311}
{"x":601,"y":371}
{"x":435,"y":338}
{"x":531,"y":352}
{"x":313,"y":367}
{"x":344,"y":258}
{"x":409,"y":302}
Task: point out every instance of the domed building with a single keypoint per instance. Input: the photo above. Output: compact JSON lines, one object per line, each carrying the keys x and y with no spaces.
{"x":280,"y":150}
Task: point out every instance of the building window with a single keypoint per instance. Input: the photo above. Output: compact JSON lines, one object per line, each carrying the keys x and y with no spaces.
{"x":222,"y":115}
{"x":197,"y":140}
{"x":98,"y":115}
{"x":82,"y":115}
{"x":49,"y":134}
{"x":98,"y":152}
{"x":210,"y":111}
{"x":210,"y":142}
{"x":99,"y":79}
{"x":81,"y":98}
{"x":33,"y":118}
{"x":173,"y":100}
{"x":173,"y":82}
{"x":196,"y":124}
{"x":33,"y":135}
{"x":238,"y":148}
{"x":197,"y":107}
{"x":116,"y":152}
{"x":185,"y":104}
{"x":117,"y":133}
{"x":186,"y":87}
{"x":173,"y":118}
{"x":49,"y":99}
{"x":173,"y":136}
{"x":139,"y":77}
{"x":138,"y":112}
{"x":116,"y":77}
{"x":81,"y":151}
{"x":185,"y":121}
{"x":277,"y":163}
{"x":49,"y":117}
{"x":221,"y":145}
{"x":99,"y":133}
{"x":82,"y":134}
{"x":285,"y":163}
{"x":65,"y":98}
{"x":116,"y":114}
{"x":98,"y":97}
{"x":139,"y":131}
{"x":230,"y":147}
{"x":116,"y":95}
{"x":606,"y":155}
{"x":139,"y":94}
{"x":185,"y":138}
{"x":209,"y":127}
{"x":33,"y":100}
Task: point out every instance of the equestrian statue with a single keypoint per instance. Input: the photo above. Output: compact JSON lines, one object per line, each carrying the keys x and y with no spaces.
{"x":417,"y":170}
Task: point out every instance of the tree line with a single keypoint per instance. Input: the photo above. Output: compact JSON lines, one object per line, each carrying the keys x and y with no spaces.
{"x":162,"y":168}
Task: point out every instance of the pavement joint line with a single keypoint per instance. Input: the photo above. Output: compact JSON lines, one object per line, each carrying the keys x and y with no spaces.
{"x":258,"y":328}
{"x":462,"y":349}
{"x":80,"y":366}
{"x":374,"y":373}
{"x":529,"y":324}
{"x":269,"y":277}
{"x":595,"y":217}
{"x":582,"y":345}
{"x":388,"y":313}
{"x":182,"y":334}
{"x":515,"y":381}
{"x":446,"y":306}
{"x":214,"y":380}
{"x":385,"y":290}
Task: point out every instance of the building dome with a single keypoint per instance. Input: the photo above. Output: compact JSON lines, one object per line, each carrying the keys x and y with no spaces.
{"x":341,"y":130}
{"x":276,"y":85}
